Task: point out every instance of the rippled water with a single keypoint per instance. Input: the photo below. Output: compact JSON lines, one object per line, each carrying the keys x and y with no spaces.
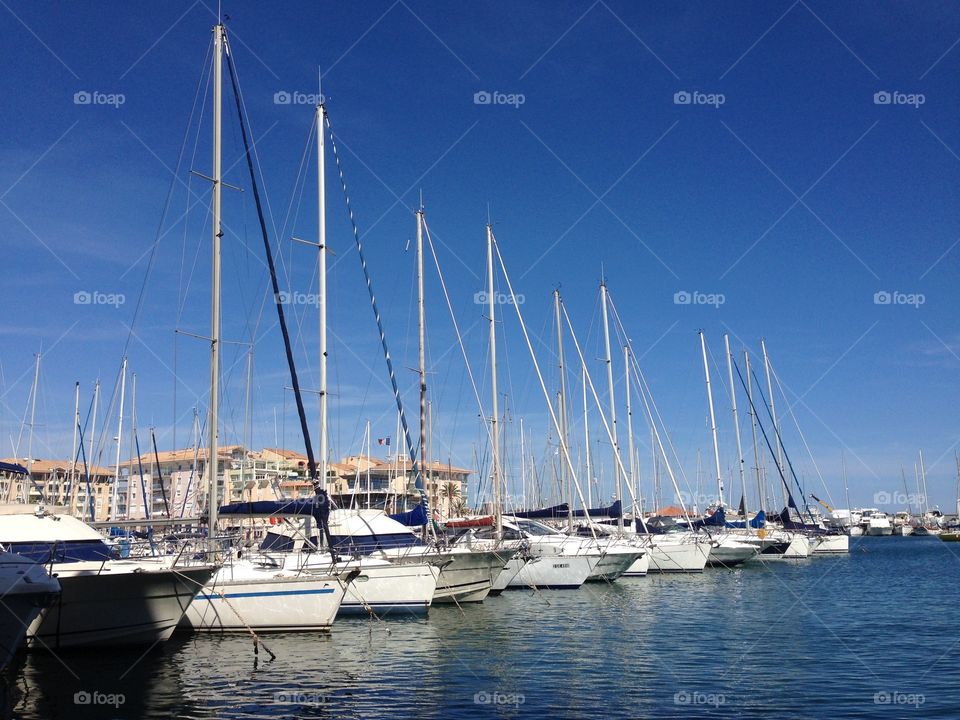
{"x":872,"y":634}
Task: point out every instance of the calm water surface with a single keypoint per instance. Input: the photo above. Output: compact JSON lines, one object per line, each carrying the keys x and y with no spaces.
{"x":872,"y":634}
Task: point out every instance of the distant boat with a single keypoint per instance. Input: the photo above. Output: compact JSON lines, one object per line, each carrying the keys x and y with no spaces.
{"x":875,"y":522}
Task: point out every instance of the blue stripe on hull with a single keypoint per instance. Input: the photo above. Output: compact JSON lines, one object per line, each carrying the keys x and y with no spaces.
{"x":274,"y":593}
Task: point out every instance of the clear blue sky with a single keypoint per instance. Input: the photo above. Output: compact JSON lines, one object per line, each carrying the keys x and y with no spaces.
{"x":796,"y":195}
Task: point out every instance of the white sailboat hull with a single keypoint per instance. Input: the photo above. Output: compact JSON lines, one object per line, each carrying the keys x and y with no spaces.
{"x":612,"y":561}
{"x":242,"y":597}
{"x":25,"y":589}
{"x":466,"y":575}
{"x":729,"y":553}
{"x":830,"y":545}
{"x":678,"y":557}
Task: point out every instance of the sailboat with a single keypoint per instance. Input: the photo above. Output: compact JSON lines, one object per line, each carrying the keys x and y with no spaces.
{"x":26,"y":588}
{"x":245,"y":594}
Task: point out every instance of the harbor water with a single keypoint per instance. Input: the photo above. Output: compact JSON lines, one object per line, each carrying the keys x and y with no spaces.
{"x":875,"y":633}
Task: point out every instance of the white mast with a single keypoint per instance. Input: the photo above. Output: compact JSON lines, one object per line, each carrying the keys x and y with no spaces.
{"x":322,"y":304}
{"x":586,"y":438}
{"x":736,"y":426}
{"x":213,"y":496}
{"x":846,"y":490}
{"x":713,"y":419}
{"x":562,"y":408}
{"x":33,"y":410}
{"x":116,"y":473}
{"x":422,"y":360}
{"x":753,"y":430}
{"x":76,"y":424}
{"x":923,"y":492}
{"x":523,"y":467}
{"x":632,"y":467}
{"x":494,"y":426}
{"x":613,"y":402}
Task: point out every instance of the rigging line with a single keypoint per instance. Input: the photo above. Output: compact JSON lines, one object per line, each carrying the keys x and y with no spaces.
{"x":311,"y":460}
{"x":803,"y":437}
{"x":376,"y":312}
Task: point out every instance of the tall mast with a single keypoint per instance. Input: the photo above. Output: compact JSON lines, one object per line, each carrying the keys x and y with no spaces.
{"x":846,"y":490}
{"x":76,"y":424}
{"x":923,"y":492}
{"x":133,"y":441}
{"x":613,"y":402}
{"x":494,"y":426}
{"x":736,"y":426}
{"x":91,"y":460}
{"x":116,"y":473}
{"x":562,"y":406}
{"x":753,"y":429}
{"x":33,"y":411}
{"x":322,"y":305}
{"x":713,"y":419}
{"x":523,"y":467}
{"x":246,"y":420}
{"x":422,"y":358}
{"x":626,"y":379}
{"x":586,"y":438}
{"x":213,"y":496}
{"x":773,"y":411}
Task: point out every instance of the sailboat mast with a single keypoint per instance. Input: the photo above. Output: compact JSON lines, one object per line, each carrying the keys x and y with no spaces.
{"x":613,"y":401}
{"x":923,"y":492}
{"x":322,"y":304}
{"x":773,"y":412}
{"x":736,"y":425}
{"x":76,"y":425}
{"x":421,"y":346}
{"x":753,"y":430}
{"x":33,"y":411}
{"x":494,"y":426}
{"x":586,"y":438}
{"x":846,"y":489}
{"x":562,"y":406}
{"x":713,"y":419}
{"x":632,"y":467}
{"x":213,"y":497}
{"x":116,"y":472}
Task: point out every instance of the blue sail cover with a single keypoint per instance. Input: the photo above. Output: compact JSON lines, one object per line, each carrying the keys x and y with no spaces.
{"x":789,"y":524}
{"x":15,"y":468}
{"x":759,"y":521}
{"x":270,"y":508}
{"x":412,"y":518}
{"x":614,"y":511}
{"x":557,"y":511}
